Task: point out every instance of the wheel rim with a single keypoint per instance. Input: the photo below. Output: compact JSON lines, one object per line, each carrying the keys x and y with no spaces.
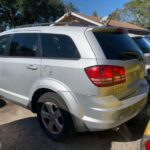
{"x":52,"y":118}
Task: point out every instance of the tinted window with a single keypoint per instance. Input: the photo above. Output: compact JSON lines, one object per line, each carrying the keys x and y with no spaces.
{"x":143,"y":43}
{"x":118,"y":46}
{"x":25,"y":45}
{"x":4,"y":41}
{"x":59,"y":46}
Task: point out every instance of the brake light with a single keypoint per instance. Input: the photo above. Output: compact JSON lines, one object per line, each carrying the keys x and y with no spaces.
{"x":147,"y":145}
{"x":103,"y":76}
{"x":120,"y":30}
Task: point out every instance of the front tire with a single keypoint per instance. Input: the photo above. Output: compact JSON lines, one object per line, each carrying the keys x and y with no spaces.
{"x":54,"y":117}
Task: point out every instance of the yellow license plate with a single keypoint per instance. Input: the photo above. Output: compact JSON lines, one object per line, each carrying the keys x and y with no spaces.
{"x":147,"y":131}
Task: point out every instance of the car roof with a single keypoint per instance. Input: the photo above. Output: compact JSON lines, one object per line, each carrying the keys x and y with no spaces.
{"x":56,"y":29}
{"x":60,"y":29}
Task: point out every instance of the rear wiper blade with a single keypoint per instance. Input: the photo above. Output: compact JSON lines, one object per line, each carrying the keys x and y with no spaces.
{"x":132,"y":54}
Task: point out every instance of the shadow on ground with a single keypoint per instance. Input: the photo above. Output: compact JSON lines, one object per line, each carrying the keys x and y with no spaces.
{"x":27,"y":134}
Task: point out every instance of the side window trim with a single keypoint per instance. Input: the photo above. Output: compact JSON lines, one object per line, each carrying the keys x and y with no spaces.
{"x":38,"y":52}
{"x":57,"y":58}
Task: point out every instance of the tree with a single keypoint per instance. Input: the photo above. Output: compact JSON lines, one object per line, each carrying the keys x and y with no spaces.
{"x":70,"y":7}
{"x":8,"y":11}
{"x":19,"y":12}
{"x":95,"y":13}
{"x":135,"y":11}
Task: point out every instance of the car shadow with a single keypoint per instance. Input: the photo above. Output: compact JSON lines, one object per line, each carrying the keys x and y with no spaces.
{"x":27,"y":134}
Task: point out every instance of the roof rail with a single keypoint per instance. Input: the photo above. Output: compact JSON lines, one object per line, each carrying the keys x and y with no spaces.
{"x":34,"y":25}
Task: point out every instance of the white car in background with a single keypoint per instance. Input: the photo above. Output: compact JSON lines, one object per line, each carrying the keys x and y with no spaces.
{"x":144,"y":45}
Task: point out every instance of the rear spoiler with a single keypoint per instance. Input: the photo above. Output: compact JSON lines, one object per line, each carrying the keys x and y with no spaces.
{"x":109,"y":29}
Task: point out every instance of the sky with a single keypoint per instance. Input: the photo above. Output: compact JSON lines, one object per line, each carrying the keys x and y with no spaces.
{"x":103,"y":7}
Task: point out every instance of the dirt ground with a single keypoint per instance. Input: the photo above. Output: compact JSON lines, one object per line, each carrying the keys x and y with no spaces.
{"x":20,"y":130}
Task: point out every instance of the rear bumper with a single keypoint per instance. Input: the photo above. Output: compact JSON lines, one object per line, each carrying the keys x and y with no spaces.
{"x":108,"y":112}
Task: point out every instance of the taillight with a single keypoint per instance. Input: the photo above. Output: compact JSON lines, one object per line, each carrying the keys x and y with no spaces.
{"x":103,"y":76}
{"x":147,"y":145}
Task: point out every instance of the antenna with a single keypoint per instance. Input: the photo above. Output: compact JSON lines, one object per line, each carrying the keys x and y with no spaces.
{"x":112,"y":16}
{"x":109,"y":19}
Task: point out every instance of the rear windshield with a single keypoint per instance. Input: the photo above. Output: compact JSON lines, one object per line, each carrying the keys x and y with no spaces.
{"x":143,"y":43}
{"x":118,"y":46}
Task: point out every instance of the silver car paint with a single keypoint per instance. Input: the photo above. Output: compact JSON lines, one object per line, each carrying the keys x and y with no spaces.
{"x":68,"y":79}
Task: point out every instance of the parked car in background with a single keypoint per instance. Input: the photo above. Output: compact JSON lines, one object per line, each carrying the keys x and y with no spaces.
{"x":145,"y":143}
{"x":148,"y":37}
{"x":81,"y":78}
{"x":144,"y":44}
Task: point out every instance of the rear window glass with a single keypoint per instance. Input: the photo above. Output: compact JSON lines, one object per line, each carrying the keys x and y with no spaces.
{"x":118,"y":46}
{"x":143,"y":43}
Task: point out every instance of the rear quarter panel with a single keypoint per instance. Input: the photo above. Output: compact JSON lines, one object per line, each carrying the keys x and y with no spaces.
{"x":71,"y":72}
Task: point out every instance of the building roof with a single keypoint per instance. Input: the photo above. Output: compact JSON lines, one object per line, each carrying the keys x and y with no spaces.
{"x":99,"y":22}
{"x":124,"y":25}
{"x":91,"y":19}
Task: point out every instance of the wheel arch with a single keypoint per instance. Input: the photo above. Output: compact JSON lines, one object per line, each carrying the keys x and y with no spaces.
{"x":43,"y":86}
{"x":67,"y":96}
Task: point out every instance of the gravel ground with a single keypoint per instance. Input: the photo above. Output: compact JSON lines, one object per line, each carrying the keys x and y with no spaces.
{"x":20,"y":130}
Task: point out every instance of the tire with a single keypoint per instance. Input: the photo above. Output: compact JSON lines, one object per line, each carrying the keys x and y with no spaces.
{"x":54,"y":117}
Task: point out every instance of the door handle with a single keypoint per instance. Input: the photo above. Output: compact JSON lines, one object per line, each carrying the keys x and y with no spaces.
{"x":32,"y":67}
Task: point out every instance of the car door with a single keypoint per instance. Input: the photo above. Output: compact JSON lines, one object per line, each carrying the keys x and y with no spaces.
{"x":21,"y":67}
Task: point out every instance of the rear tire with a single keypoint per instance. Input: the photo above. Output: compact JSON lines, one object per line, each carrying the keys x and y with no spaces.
{"x":54,"y":117}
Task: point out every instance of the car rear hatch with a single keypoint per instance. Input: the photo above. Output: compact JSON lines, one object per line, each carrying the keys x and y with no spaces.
{"x":120,"y":52}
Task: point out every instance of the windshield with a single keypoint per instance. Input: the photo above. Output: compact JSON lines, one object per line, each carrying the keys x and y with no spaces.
{"x":118,"y":46}
{"x":143,"y":43}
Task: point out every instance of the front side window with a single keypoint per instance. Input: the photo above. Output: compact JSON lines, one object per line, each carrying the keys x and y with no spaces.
{"x":24,"y":45}
{"x":4,"y":42}
{"x":58,"y":46}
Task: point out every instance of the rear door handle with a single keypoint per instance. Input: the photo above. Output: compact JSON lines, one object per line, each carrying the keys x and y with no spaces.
{"x":32,"y":67}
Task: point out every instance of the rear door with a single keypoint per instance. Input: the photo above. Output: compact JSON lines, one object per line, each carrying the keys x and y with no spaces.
{"x":21,"y":66}
{"x":120,"y":50}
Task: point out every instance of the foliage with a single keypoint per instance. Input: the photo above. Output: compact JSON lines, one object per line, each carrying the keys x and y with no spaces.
{"x":135,"y":11}
{"x":19,"y":12}
{"x":95,"y":13}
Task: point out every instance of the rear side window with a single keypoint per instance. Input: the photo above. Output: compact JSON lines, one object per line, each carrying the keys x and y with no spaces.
{"x":58,"y":46}
{"x":4,"y":42}
{"x":118,"y":46}
{"x":24,"y":45}
{"x":143,"y":43}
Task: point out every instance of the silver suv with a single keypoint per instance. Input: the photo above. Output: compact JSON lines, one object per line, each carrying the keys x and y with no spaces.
{"x":74,"y":78}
